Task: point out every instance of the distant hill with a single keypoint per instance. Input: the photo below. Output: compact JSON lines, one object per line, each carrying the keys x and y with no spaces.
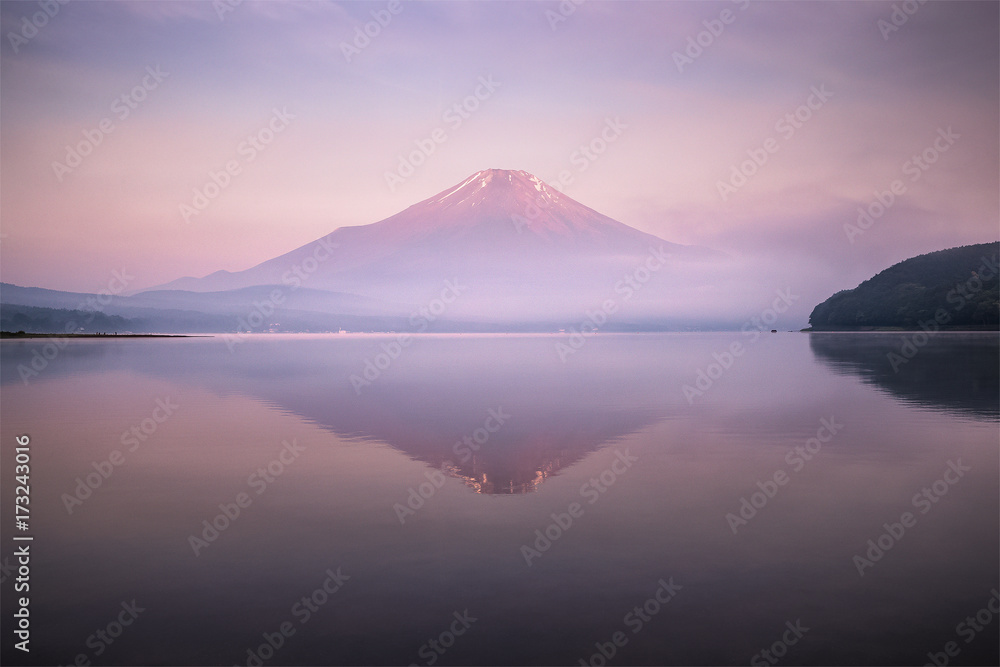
{"x":37,"y":310}
{"x":61,"y":320}
{"x":959,"y":286}
{"x":122,"y":317}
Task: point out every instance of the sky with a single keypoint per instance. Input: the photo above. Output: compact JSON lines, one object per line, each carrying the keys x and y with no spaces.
{"x":158,"y":140}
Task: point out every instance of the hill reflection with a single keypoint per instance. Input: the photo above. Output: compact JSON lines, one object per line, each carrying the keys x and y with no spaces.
{"x":955,"y":372}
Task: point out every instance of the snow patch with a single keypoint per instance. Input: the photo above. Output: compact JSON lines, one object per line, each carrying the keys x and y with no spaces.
{"x":456,"y":189}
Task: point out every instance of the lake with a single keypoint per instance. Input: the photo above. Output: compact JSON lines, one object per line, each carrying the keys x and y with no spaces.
{"x":697,"y":498}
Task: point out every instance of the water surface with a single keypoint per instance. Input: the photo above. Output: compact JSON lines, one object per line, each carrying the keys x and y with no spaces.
{"x":375,"y":483}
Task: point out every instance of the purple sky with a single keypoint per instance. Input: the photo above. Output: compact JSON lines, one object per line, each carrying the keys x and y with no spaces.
{"x":670,"y":133}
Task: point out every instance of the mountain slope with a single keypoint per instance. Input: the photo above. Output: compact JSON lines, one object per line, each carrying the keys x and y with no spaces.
{"x":962,"y":282}
{"x":512,"y":240}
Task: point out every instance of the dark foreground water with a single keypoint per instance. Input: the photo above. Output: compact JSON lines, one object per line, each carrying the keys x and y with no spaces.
{"x":481,"y":501}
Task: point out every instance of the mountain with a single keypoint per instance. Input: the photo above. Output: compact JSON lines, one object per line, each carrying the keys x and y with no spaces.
{"x":500,"y":251}
{"x":957,"y":287}
{"x":517,"y":248}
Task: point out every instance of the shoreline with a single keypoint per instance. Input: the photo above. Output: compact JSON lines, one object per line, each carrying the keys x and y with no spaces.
{"x":8,"y":335}
{"x":16,"y":335}
{"x":943,"y":329}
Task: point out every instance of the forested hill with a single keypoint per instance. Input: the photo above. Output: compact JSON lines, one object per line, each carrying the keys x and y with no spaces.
{"x":958,"y":286}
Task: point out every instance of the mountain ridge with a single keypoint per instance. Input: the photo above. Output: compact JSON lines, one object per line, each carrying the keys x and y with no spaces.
{"x":502,"y":217}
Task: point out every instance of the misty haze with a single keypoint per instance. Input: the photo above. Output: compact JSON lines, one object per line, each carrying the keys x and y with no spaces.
{"x":499,"y":333}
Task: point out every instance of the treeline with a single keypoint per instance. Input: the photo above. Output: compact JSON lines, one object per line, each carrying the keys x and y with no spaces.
{"x":958,"y":287}
{"x":37,"y":319}
{"x":61,"y":320}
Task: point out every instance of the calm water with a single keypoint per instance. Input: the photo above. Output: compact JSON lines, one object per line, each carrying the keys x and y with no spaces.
{"x":422,"y":535}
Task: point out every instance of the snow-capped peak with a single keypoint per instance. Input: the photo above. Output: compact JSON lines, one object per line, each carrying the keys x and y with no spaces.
{"x":511,"y":204}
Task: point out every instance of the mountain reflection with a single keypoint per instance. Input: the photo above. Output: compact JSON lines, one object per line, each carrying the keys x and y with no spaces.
{"x":502,"y":414}
{"x":956,"y":372}
{"x":502,"y":419}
